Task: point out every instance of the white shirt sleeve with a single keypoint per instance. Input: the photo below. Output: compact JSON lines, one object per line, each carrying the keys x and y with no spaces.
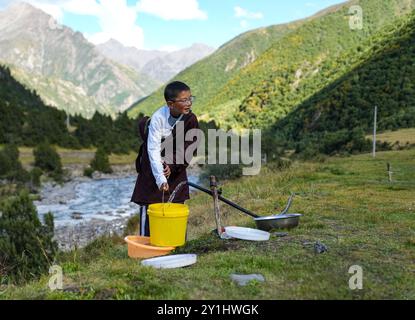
{"x":154,"y":150}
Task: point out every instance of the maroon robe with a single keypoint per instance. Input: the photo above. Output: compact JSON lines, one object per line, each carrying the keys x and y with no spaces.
{"x":146,"y":191}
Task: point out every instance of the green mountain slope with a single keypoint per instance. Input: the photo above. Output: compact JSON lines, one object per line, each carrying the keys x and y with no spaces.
{"x":26,"y":120}
{"x":338,"y":116}
{"x":265,"y":90}
{"x":272,"y":86}
{"x":207,"y":76}
{"x":24,"y":117}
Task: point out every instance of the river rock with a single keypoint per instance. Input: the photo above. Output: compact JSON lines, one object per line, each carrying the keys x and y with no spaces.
{"x":76,"y":216}
{"x":320,"y":247}
{"x":244,"y":279}
{"x":280,"y":234}
{"x":96,"y":175}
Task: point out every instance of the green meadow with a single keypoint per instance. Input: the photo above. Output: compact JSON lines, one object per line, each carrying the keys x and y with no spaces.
{"x":348,"y":204}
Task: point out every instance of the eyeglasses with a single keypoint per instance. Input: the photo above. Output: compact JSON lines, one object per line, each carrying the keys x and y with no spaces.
{"x":189,"y":100}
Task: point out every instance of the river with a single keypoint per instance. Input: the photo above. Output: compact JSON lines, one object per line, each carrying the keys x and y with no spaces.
{"x":86,"y":208}
{"x":84,"y":200}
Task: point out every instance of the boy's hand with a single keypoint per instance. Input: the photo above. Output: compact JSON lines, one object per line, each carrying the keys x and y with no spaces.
{"x":164,"y":187}
{"x":167,"y":171}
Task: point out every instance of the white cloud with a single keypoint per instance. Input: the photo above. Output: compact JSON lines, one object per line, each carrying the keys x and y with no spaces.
{"x":116,"y":19}
{"x":172,"y":9}
{"x":242,"y":13}
{"x":49,"y":8}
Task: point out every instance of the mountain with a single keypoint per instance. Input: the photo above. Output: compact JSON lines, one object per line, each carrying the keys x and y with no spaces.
{"x":337,"y":117}
{"x":63,"y":67}
{"x":159,"y":65}
{"x":26,"y":121}
{"x":129,"y":56}
{"x":166,"y":67}
{"x":288,"y":71}
{"x":24,"y":116}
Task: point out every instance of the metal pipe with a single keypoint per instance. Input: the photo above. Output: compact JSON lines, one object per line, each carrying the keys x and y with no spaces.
{"x":228,"y":202}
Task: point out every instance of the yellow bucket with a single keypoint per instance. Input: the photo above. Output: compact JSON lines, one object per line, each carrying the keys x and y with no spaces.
{"x":168,"y":224}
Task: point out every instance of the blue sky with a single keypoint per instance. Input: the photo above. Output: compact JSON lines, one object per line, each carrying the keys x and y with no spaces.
{"x":222,"y":25}
{"x":173,"y":24}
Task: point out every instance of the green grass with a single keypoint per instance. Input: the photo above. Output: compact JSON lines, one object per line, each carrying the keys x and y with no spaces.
{"x":348,"y":204}
{"x":83,"y":156}
{"x":403,"y":136}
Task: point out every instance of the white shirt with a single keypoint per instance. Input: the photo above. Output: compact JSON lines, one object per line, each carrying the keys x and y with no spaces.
{"x":159,"y":128}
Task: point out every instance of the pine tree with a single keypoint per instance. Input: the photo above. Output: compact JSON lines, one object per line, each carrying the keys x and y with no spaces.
{"x":10,"y":165}
{"x":101,"y":162}
{"x":27,"y":248}
{"x":47,"y":159}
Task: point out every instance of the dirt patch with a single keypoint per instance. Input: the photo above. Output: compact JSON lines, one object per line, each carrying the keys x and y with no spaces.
{"x":211,"y":243}
{"x":105,"y":294}
{"x":72,"y":289}
{"x":203,"y":245}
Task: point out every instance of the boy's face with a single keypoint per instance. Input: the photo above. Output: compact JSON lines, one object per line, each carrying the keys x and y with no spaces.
{"x":181,"y":105}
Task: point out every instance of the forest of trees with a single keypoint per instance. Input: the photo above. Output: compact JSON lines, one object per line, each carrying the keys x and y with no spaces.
{"x":339,"y":117}
{"x":304,"y":62}
{"x":27,"y":121}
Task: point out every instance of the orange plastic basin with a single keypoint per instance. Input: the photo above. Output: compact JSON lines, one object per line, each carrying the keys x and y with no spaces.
{"x":140,"y":248}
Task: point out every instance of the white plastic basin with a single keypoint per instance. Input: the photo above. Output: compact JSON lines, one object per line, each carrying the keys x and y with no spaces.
{"x":171,"y":262}
{"x":247,"y":234}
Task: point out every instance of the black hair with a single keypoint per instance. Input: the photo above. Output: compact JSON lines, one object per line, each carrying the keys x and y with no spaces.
{"x":173,"y":90}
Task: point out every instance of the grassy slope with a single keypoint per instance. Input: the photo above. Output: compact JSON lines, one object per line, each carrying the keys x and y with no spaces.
{"x":83,"y":156}
{"x":384,"y":79}
{"x":404,"y":136}
{"x":266,"y":90}
{"x":207,"y":76}
{"x":347,"y":204}
{"x":69,"y":156}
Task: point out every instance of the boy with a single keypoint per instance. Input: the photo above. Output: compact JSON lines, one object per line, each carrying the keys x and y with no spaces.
{"x":157,"y":178}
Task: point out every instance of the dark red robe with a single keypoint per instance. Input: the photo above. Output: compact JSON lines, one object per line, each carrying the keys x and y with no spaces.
{"x":146,"y":191}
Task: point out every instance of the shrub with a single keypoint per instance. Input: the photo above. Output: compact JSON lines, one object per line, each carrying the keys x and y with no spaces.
{"x":279,"y":164}
{"x":47,"y":159}
{"x":132,"y":225}
{"x":101,"y":162}
{"x":35,"y":175}
{"x":10,"y":165}
{"x":88,"y":172}
{"x":121,"y":148}
{"x":5,"y":164}
{"x":26,"y":246}
{"x":71,"y":142}
{"x":222,"y":171}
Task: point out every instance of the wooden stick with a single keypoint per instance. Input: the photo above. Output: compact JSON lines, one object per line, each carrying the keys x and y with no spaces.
{"x":215,"y":195}
{"x":390,"y":172}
